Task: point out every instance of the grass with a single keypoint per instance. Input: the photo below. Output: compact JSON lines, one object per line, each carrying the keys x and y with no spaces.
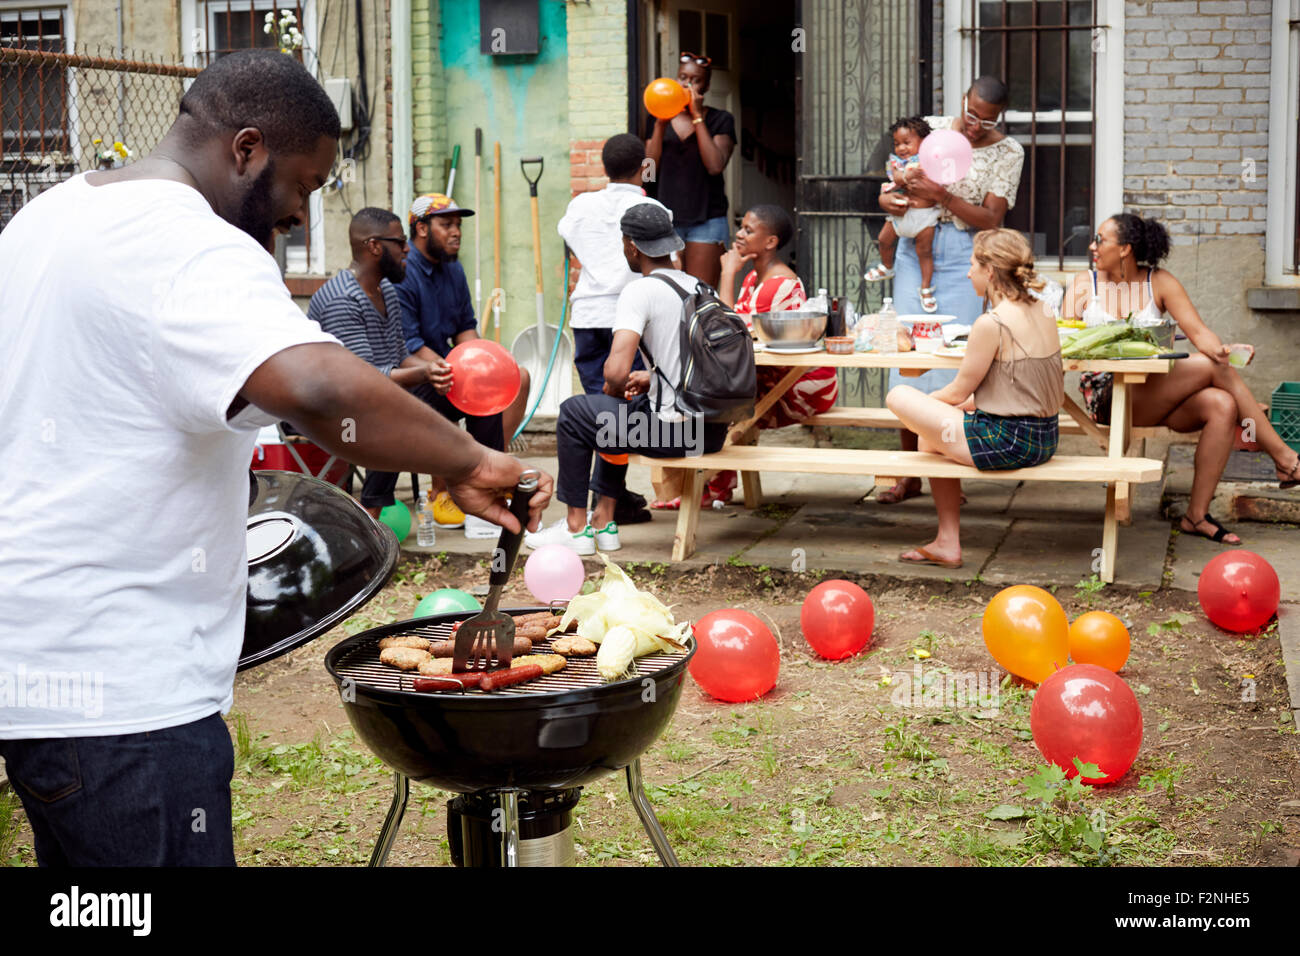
{"x":9,"y":828}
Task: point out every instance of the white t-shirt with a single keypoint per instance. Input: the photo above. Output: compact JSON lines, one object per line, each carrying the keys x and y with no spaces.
{"x":130,"y":316}
{"x":591,"y":228}
{"x":653,"y":311}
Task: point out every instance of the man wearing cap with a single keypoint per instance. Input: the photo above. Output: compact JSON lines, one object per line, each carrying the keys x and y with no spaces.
{"x":438,"y":314}
{"x":635,"y":413}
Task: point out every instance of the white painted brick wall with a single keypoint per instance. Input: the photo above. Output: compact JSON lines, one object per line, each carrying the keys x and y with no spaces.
{"x":1196,"y":114}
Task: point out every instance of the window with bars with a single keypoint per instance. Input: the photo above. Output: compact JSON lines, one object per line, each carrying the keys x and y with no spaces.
{"x":230,"y":25}
{"x":1046,"y":53}
{"x":33,"y":99}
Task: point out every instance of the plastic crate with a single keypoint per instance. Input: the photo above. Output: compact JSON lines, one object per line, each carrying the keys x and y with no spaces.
{"x":1284,"y":413}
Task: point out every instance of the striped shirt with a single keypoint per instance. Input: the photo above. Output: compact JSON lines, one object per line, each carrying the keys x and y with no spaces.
{"x":342,"y":308}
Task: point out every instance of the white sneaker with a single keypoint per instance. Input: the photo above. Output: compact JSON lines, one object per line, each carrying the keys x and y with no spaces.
{"x":480,"y":528}
{"x":607,"y":537}
{"x":583,"y":542}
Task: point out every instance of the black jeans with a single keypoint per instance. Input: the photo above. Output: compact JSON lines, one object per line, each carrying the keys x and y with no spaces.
{"x":601,"y":423}
{"x":159,"y":798}
{"x":377,"y":490}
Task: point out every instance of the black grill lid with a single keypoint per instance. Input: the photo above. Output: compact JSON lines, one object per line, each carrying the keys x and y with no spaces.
{"x":314,"y":558}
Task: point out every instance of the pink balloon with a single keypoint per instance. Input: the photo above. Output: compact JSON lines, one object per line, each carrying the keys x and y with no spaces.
{"x":945,"y":156}
{"x":554,"y":573}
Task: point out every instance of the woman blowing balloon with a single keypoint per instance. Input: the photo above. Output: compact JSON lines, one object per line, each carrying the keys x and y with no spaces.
{"x":1011,"y":375}
{"x":690,"y":152}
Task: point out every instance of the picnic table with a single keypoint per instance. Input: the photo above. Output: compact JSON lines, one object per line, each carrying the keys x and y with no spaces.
{"x":1114,"y":466}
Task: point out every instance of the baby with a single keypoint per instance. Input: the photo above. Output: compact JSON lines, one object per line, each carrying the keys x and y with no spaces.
{"x":919,"y":221}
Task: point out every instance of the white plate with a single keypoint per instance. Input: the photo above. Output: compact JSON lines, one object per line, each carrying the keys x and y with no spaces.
{"x":952,"y":351}
{"x":803,"y":350}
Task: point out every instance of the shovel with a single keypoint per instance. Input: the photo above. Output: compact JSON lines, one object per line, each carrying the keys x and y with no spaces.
{"x":532,"y":347}
{"x":489,"y":630}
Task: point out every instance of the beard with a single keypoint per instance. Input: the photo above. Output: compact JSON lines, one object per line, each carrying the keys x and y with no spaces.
{"x":438,"y":254}
{"x":390,"y":268}
{"x":256,"y":215}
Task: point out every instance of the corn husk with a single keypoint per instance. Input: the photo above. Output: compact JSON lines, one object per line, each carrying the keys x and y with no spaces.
{"x":618,"y":607}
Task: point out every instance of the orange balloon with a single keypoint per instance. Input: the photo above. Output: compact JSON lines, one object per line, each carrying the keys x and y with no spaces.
{"x":665,"y":98}
{"x":1100,"y":638}
{"x":1027,"y":632}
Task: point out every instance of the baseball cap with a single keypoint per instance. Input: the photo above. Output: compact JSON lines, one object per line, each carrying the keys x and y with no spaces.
{"x":650,"y":227}
{"x":435,"y":204}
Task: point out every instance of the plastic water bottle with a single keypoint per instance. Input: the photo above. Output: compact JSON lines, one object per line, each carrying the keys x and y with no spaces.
{"x":884,"y":338}
{"x":425,"y":526}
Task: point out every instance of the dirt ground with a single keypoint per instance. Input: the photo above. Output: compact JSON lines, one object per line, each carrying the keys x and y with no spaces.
{"x":836,"y":766}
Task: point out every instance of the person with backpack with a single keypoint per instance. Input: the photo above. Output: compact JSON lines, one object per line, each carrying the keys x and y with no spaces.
{"x":700,"y":378}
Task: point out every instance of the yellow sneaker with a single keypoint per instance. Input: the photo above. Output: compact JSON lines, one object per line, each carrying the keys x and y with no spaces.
{"x":445,"y":512}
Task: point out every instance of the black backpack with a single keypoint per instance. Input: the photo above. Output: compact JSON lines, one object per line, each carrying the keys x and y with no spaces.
{"x":718,"y":380}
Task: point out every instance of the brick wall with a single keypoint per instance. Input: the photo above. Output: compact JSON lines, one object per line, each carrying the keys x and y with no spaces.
{"x":598,"y":78}
{"x":428,"y":97}
{"x":1196,"y":115}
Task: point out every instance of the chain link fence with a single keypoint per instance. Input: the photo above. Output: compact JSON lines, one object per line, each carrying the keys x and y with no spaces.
{"x":63,"y":113}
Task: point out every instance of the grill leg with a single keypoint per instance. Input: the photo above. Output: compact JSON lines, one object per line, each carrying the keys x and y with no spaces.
{"x":636,"y":789}
{"x":401,"y":791}
{"x":508,"y":804}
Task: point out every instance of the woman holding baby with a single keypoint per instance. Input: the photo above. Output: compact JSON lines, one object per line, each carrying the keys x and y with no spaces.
{"x":979,"y":200}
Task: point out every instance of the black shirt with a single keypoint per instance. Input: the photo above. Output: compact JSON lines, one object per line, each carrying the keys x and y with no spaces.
{"x":684,"y":185}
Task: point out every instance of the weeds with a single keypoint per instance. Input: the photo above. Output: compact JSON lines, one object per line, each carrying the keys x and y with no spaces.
{"x":1086,"y":588}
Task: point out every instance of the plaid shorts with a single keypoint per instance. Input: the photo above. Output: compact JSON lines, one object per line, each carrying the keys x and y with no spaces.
{"x":1001,"y":444}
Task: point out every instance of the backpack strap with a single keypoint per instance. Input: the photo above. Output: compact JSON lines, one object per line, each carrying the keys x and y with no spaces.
{"x":681,"y":294}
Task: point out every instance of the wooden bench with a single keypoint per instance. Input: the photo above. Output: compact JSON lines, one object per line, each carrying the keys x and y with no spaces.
{"x":755,"y":459}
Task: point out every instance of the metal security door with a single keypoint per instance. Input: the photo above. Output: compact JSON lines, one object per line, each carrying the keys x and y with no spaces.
{"x":856,"y":74}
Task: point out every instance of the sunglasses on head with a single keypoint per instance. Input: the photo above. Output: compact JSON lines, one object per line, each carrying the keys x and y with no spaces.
{"x":975,"y":120}
{"x":696,"y":59}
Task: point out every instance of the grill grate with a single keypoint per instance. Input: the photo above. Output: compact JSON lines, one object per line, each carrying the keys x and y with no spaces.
{"x":361,"y":664}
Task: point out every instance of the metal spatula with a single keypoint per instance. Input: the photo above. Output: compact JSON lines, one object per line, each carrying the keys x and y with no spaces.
{"x":489,"y":628}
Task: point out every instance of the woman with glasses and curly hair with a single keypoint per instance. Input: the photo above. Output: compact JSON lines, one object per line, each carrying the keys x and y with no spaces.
{"x":979,"y":200}
{"x":1202,"y":393}
{"x":689,"y":153}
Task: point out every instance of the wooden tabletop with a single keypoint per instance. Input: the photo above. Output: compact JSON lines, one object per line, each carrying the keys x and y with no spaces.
{"x":928,"y":360}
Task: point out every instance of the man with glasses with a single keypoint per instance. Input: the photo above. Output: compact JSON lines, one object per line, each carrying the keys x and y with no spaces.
{"x":359,"y":307}
{"x":437,"y":315}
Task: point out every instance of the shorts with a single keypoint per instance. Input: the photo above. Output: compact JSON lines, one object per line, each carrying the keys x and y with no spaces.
{"x":711,"y":231}
{"x":999,"y":443}
{"x":915,"y":221}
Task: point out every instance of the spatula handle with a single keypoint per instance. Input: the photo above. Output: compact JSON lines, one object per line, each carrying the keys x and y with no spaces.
{"x":503,"y":559}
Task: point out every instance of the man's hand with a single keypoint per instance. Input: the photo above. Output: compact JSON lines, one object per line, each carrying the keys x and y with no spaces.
{"x":438,"y":374}
{"x":638,"y":383}
{"x":483,"y":491}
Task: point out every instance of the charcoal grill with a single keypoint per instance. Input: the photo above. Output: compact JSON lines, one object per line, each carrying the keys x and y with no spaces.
{"x":519,"y":756}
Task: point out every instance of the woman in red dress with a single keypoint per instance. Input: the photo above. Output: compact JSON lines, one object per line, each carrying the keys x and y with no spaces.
{"x":771,"y":286}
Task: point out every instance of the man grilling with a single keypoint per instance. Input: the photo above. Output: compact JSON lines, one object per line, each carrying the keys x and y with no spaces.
{"x":156,"y":282}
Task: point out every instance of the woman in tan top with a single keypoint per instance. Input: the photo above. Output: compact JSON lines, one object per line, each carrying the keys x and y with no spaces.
{"x":1000,"y":412}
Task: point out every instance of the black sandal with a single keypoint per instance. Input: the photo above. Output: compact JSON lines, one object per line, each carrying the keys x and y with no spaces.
{"x":1220,"y":532}
{"x":1290,"y":481}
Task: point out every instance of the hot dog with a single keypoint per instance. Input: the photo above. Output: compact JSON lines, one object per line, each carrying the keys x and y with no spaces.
{"x":453,"y":682}
{"x":516,"y":675}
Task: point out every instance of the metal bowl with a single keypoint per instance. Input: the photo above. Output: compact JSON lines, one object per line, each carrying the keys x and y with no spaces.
{"x":790,"y":329}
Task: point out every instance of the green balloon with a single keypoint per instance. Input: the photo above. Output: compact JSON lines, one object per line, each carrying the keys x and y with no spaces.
{"x":398,"y":517}
{"x":446,"y":600}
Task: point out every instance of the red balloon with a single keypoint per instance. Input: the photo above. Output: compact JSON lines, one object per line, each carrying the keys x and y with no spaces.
{"x":737,"y":658}
{"x":1088,"y":712}
{"x":485,"y":377}
{"x":837,"y":619}
{"x":1239,"y":591}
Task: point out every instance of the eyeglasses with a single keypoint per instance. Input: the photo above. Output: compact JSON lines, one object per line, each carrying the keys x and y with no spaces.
{"x":695,"y":58}
{"x":1098,"y":238}
{"x":975,"y":120}
{"x":399,"y":241}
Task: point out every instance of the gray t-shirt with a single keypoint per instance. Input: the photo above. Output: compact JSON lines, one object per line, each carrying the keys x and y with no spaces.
{"x":653,"y":311}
